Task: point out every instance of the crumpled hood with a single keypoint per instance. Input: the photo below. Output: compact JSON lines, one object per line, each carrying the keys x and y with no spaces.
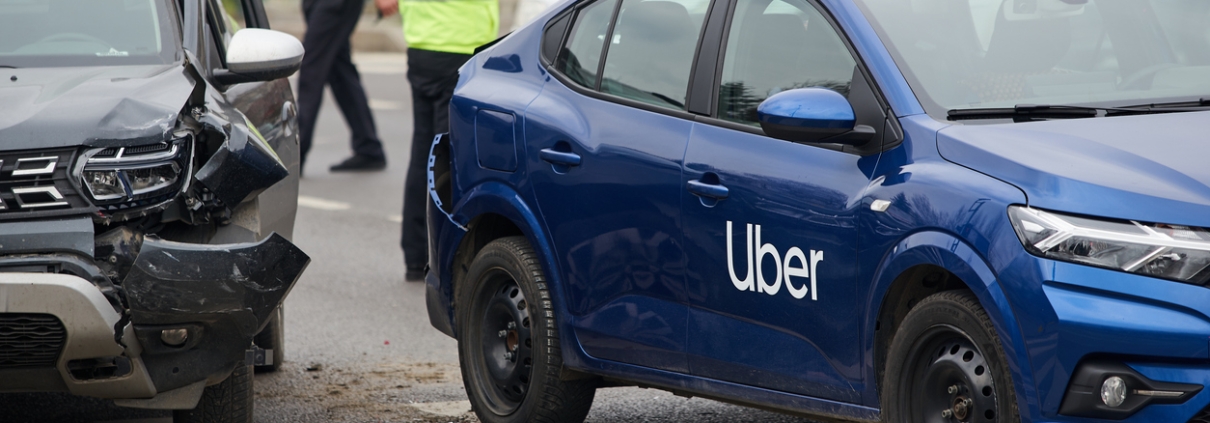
{"x":93,"y":106}
{"x":1153,"y":168}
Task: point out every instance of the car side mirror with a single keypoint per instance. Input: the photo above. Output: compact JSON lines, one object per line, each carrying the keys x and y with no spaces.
{"x":812,"y":115}
{"x":260,"y":55}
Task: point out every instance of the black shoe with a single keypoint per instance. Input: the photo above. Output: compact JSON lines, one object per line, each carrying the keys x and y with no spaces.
{"x":359,"y":163}
{"x":414,"y":275}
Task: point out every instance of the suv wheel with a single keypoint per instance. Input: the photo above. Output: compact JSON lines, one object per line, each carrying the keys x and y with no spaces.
{"x":226,"y":402}
{"x":946,"y":365}
{"x":508,"y":342}
{"x":273,"y":337}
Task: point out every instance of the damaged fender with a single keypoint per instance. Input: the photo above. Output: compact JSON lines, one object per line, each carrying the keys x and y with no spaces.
{"x":244,"y":165}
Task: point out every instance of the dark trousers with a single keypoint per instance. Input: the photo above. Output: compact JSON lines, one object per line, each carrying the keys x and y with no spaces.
{"x":432,"y":76}
{"x":329,"y":61}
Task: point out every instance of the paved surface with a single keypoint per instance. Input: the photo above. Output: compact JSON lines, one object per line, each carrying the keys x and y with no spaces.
{"x":359,"y":345}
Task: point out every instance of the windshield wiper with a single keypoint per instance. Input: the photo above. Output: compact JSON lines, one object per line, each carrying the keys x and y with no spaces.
{"x":1191,"y":105}
{"x":1025,"y":112}
{"x":1032,"y":112}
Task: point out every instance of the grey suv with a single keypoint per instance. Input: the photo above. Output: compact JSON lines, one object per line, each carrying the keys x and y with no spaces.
{"x":148,"y":187}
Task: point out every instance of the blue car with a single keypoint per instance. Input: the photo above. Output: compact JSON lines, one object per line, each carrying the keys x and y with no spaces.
{"x":870,"y":210}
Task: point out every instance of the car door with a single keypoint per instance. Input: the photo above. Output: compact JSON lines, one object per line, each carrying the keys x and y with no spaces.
{"x":604,"y":147}
{"x":269,"y":106}
{"x":770,"y":225}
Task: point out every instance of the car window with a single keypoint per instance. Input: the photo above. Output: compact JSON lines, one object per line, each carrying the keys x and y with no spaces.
{"x":651,"y":51}
{"x":227,"y":23}
{"x":35,"y":33}
{"x":967,"y":54}
{"x":222,"y":28}
{"x":234,"y":11}
{"x":582,"y":51}
{"x":778,"y":45}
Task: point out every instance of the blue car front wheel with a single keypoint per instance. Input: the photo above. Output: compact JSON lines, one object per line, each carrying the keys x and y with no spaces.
{"x":945,"y":365}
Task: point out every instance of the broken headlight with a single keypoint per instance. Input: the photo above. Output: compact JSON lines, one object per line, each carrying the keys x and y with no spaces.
{"x":1175,"y":252}
{"x":119,"y":178}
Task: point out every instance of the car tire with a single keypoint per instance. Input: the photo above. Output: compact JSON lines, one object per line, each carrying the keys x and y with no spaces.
{"x":273,"y":337}
{"x":227,"y":402}
{"x":508,"y":341}
{"x":945,"y":364}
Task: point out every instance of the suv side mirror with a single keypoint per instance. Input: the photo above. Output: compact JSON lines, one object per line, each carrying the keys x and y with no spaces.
{"x":260,"y":55}
{"x":812,"y":115}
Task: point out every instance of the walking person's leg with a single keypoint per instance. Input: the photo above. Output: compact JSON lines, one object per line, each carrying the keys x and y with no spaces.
{"x":323,"y":19}
{"x":346,"y":86}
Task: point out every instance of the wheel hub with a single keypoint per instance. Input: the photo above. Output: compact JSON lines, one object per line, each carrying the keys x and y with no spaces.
{"x":953,"y":383}
{"x":507,"y":344}
{"x":961,"y":408}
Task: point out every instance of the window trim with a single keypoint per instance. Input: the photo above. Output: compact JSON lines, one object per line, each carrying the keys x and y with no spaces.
{"x":565,"y":18}
{"x":215,"y":27}
{"x":700,"y":100}
{"x":254,"y":14}
{"x":594,"y":92}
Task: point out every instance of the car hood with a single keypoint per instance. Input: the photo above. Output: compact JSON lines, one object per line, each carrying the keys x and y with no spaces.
{"x":1150,"y":167}
{"x":93,"y":106}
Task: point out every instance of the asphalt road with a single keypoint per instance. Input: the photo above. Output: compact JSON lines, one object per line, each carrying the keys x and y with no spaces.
{"x":359,"y":344}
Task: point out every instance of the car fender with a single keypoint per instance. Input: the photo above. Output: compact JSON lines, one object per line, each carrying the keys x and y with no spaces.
{"x":934,"y":247}
{"x":494,"y":197}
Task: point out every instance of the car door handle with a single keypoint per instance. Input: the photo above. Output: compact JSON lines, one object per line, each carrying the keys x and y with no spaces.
{"x":702,"y":189}
{"x":564,"y":158}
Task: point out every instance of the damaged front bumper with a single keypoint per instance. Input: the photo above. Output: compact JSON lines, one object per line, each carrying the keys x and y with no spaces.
{"x":181,"y":319}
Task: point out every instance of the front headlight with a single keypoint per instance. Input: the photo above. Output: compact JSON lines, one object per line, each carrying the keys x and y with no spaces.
{"x":120,"y":178}
{"x":1176,"y":252}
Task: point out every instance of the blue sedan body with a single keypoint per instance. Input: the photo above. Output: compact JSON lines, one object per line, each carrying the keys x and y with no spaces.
{"x":655,"y":284}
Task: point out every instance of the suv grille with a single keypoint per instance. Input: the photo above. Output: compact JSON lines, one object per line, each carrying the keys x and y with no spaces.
{"x":37,"y":183}
{"x":30,"y":340}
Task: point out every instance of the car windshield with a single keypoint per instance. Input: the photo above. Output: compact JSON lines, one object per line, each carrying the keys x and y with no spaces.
{"x":962,"y":54}
{"x":48,"y":33}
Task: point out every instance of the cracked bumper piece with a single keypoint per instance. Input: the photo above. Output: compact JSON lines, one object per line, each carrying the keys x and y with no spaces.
{"x":195,"y":308}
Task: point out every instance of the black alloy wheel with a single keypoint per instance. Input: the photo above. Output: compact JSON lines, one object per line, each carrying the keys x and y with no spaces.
{"x":508,"y":345}
{"x":945,"y":365}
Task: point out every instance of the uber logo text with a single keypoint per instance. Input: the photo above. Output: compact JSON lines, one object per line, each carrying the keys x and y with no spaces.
{"x":785,"y":267}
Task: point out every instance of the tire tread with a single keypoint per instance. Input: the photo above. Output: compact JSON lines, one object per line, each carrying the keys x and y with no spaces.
{"x":227,"y":402}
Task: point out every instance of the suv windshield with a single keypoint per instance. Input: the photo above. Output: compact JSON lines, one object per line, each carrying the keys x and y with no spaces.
{"x":961,"y":54}
{"x":46,"y":33}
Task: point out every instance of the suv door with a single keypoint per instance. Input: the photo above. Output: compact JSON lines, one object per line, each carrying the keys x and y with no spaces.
{"x":770,"y":225}
{"x":604,"y":150}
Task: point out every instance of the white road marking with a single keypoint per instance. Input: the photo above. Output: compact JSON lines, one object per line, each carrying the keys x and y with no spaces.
{"x":395,"y":218}
{"x":445,"y":409}
{"x":381,"y":63}
{"x":322,"y":204}
{"x":377,"y":104}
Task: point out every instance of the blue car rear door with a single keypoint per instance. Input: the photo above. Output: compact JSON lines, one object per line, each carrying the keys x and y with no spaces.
{"x":771,"y":225}
{"x":605,"y":146}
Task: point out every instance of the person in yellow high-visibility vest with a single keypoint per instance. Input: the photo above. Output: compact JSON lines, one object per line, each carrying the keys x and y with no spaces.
{"x":441,"y":36}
